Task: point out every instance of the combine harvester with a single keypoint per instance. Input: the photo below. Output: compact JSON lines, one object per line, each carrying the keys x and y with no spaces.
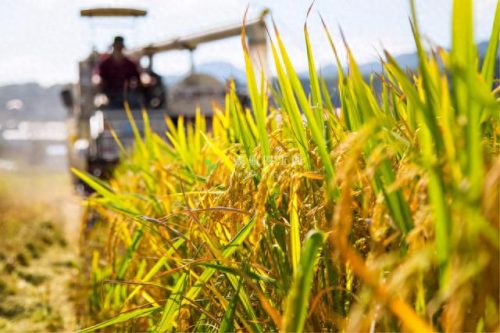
{"x":91,"y":146}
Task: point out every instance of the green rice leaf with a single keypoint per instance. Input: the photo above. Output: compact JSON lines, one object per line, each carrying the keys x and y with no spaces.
{"x":488,"y":69}
{"x":227,"y":324}
{"x":297,"y":301}
{"x":138,"y":313}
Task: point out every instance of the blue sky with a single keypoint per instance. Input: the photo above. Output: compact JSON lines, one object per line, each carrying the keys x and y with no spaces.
{"x":42,"y":40}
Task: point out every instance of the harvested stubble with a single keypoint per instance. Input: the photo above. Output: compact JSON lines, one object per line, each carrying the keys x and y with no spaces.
{"x":383,"y":217}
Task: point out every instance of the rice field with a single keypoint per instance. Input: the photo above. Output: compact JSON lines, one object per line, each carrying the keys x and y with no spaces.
{"x":294,"y":216}
{"x":39,"y":225}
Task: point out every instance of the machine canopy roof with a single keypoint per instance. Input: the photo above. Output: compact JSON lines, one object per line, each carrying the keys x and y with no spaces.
{"x":112,"y":12}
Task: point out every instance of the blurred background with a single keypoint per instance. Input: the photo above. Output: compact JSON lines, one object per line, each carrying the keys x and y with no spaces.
{"x":41,"y":43}
{"x":41,"y":46}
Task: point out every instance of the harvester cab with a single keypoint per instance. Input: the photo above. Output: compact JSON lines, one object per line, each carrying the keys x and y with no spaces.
{"x":97,"y":118}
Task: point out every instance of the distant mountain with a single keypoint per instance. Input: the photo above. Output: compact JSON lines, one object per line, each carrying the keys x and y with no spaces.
{"x":222,"y":71}
{"x":405,"y":60}
{"x":218,"y":69}
{"x":30,"y":101}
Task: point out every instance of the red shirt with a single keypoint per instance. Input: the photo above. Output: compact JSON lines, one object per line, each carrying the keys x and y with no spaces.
{"x":117,"y":74}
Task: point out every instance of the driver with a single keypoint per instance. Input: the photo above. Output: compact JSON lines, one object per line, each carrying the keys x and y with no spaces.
{"x":119,"y":74}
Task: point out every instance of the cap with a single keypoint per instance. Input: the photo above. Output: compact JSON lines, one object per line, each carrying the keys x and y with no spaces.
{"x":118,"y":40}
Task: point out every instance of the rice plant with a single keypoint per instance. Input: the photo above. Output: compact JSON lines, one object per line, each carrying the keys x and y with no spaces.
{"x":291,"y":216}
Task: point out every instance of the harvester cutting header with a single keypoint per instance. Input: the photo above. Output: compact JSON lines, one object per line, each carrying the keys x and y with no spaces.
{"x":106,"y":81}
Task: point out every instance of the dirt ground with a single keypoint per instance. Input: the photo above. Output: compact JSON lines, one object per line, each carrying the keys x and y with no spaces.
{"x":39,"y":227}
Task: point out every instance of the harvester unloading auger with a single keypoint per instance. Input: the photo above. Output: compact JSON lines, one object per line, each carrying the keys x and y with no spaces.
{"x":91,"y":145}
